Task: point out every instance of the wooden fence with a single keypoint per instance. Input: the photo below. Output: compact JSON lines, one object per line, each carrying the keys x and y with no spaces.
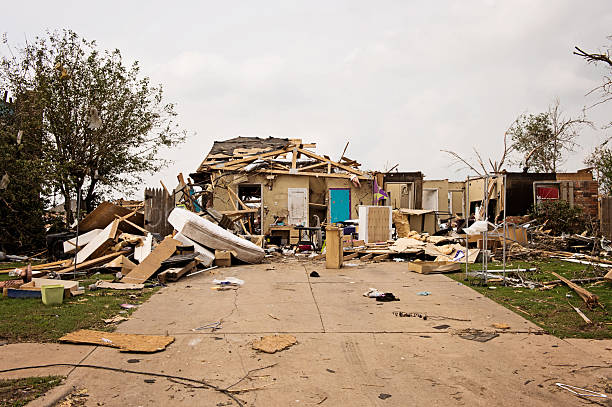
{"x":158,"y":205}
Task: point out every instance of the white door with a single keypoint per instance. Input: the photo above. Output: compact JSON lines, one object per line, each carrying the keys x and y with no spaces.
{"x":430,"y":199}
{"x":298,"y":206}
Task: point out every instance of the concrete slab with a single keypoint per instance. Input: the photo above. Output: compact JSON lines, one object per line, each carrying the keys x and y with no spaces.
{"x":33,"y":354}
{"x":350,"y":349}
{"x":351,"y":369}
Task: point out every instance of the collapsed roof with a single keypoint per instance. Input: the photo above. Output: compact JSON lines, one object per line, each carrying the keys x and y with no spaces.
{"x":274,"y":155}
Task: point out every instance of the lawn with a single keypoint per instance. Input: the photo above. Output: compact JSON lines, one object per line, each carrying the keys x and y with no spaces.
{"x":18,"y":392}
{"x":29,"y":320}
{"x":550,"y":309}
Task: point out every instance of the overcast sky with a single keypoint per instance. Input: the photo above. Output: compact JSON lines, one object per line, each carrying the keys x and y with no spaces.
{"x":400,"y":80}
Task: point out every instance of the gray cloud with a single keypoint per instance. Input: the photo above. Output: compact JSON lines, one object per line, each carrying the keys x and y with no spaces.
{"x":399,"y":80}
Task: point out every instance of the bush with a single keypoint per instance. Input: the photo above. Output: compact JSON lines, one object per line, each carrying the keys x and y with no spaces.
{"x":560,"y":217}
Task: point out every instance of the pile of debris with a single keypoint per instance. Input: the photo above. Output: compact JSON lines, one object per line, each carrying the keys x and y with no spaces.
{"x":114,"y":239}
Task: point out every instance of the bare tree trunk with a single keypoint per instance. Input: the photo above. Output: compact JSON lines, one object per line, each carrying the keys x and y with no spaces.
{"x":90,"y":197}
{"x":68,"y":207}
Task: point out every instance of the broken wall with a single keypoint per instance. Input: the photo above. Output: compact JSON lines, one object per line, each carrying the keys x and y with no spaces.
{"x":405,"y":177}
{"x":275,"y":195}
{"x":441,"y":188}
{"x":456,"y":190}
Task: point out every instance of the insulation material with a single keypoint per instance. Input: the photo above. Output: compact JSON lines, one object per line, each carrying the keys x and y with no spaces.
{"x":402,"y":226}
{"x":125,"y":342}
{"x":407,"y":245}
{"x":210,"y":235}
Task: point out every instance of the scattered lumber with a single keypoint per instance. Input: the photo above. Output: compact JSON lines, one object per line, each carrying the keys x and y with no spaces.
{"x":152,"y":262}
{"x":351,"y":256}
{"x":100,"y":243}
{"x":118,"y":286}
{"x":584,"y":317}
{"x":589,"y":298}
{"x":366,"y":257}
{"x":93,"y":262}
{"x":380,"y":257}
{"x":105,"y":214}
{"x":608,"y":276}
{"x":174,"y":273}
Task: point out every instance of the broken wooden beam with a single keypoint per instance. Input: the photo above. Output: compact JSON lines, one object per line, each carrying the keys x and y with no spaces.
{"x":366,"y":257}
{"x":351,"y":256}
{"x":380,"y":257}
{"x":589,"y":298}
{"x":173,"y":274}
{"x":93,"y":262}
{"x":152,"y":262}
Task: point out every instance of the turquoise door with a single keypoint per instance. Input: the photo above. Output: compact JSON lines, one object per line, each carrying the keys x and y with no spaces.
{"x":339,"y":205}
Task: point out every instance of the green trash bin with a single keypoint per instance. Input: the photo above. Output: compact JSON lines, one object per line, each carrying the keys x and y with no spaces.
{"x":52,"y":294}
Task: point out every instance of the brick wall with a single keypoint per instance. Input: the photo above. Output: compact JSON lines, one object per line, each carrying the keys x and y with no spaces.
{"x":585,"y":196}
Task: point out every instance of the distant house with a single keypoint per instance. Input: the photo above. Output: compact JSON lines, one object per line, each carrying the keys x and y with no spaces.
{"x":524,"y":190}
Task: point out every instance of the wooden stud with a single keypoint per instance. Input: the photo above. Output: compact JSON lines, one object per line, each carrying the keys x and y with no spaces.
{"x":309,"y":167}
{"x":229,"y":191}
{"x":249,"y":159}
{"x":335,"y":164}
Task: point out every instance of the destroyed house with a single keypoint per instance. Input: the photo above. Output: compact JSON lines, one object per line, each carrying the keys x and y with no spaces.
{"x":273,"y":184}
{"x":524,"y":190}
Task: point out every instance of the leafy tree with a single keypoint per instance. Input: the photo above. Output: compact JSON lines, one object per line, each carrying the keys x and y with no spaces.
{"x":544,"y":138}
{"x":21,"y":177}
{"x":103,"y":124}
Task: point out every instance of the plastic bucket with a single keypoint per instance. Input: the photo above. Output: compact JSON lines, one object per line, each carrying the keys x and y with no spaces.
{"x":52,"y":294}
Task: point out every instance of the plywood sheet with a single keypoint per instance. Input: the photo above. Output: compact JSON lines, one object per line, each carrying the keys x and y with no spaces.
{"x":118,"y":286}
{"x":99,"y":244}
{"x":125,"y":342}
{"x":151,"y":264}
{"x":375,"y":223}
{"x":105,"y":214}
{"x":70,"y":245}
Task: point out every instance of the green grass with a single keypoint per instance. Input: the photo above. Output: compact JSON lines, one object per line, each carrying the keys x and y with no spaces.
{"x":19,"y":392}
{"x":29,"y":320}
{"x":550,"y":309}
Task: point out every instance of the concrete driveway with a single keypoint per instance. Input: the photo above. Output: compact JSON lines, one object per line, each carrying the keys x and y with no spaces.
{"x":351,"y":350}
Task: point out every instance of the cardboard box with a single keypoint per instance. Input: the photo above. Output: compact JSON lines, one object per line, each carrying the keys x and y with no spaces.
{"x":429,"y":267}
{"x":223,"y":258}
